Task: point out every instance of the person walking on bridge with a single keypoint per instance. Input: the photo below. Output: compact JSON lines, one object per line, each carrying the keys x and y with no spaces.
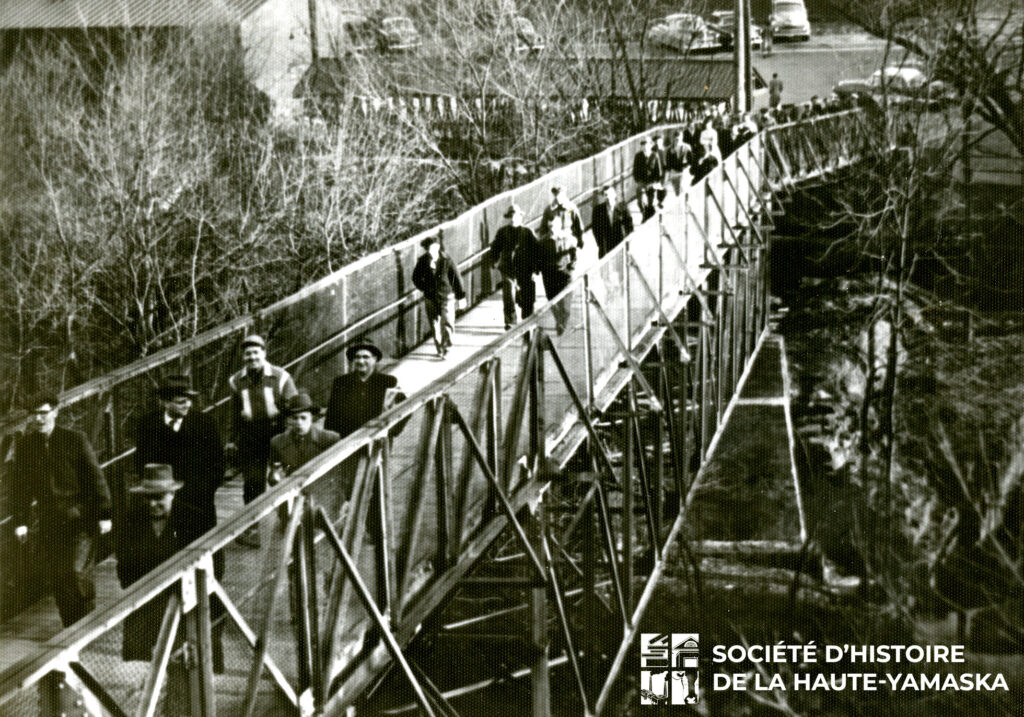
{"x":438,"y":278}
{"x":57,"y":469}
{"x":611,"y":221}
{"x":649,"y":175}
{"x":513,"y":252}
{"x":188,"y":440}
{"x":561,"y":236}
{"x":363,"y":393}
{"x":774,"y":91}
{"x":259,"y":391}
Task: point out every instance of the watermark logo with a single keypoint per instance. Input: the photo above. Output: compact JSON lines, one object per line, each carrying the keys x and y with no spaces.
{"x":669,"y":668}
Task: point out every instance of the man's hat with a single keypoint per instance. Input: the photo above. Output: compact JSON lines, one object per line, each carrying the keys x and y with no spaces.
{"x":557,"y":189}
{"x":173,"y":386}
{"x":254,"y":340}
{"x":157,"y":479}
{"x":513,"y":209}
{"x":350,"y":352}
{"x":432,"y":239}
{"x":300,"y":403}
{"x":42,"y":398}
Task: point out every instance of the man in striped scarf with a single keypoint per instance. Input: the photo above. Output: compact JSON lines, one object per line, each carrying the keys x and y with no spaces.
{"x":259,"y":392}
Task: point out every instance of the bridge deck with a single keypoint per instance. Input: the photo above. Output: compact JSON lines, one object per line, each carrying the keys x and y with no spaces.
{"x":26,"y":635}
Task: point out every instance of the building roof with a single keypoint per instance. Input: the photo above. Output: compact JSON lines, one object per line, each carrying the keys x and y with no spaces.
{"x":59,"y":14}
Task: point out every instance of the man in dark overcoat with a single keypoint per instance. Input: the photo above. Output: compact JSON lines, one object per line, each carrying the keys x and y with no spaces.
{"x":610,"y":222}
{"x":363,"y":393}
{"x":145,"y":540}
{"x":188,"y":440}
{"x":514,"y":253}
{"x":181,"y":436}
{"x":57,"y":469}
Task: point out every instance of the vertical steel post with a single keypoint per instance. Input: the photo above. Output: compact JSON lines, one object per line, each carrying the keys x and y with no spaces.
{"x":540,"y":673}
{"x":626,"y":521}
{"x":311,"y":607}
{"x":304,"y":601}
{"x":199,"y":648}
{"x":590,"y":602}
{"x":588,"y":338}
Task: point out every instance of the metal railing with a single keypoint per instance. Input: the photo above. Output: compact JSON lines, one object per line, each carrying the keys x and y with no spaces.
{"x":437,"y":479}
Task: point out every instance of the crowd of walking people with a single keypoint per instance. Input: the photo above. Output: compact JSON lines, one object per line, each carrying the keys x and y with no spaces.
{"x":181,"y":461}
{"x":181,"y":457}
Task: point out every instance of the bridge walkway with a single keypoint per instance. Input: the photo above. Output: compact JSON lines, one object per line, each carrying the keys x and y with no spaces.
{"x":662,"y":330}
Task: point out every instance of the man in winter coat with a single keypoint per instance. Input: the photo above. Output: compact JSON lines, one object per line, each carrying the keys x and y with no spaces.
{"x":438,"y":278}
{"x":561,"y":235}
{"x":513,"y":252}
{"x":259,"y":391}
{"x":57,"y":468}
{"x":611,"y":221}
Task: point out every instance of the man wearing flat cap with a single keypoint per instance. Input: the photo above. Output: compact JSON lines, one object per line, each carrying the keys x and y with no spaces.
{"x":57,"y":468}
{"x":514,"y":253}
{"x":560,"y":237}
{"x":179,"y":435}
{"x":147,"y":538}
{"x":363,"y":393}
{"x":258,"y":391}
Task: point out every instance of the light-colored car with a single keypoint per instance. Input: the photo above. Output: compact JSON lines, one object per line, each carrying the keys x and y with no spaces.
{"x":397,"y":34}
{"x":789,"y":20}
{"x":527,"y":38}
{"x":685,"y":32}
{"x":724,"y":23}
{"x":902,"y":84}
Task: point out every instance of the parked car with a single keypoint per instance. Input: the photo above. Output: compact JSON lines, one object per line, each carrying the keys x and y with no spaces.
{"x":902,"y":85}
{"x":397,"y":34}
{"x":724,"y":23}
{"x":685,"y":32}
{"x":357,"y":36}
{"x":789,"y":20}
{"x":527,"y":38}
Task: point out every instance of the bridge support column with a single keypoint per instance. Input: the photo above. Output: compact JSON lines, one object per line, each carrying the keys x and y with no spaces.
{"x":540,"y":675}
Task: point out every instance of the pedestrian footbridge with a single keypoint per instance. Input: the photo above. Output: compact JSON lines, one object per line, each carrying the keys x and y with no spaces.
{"x":519,"y":504}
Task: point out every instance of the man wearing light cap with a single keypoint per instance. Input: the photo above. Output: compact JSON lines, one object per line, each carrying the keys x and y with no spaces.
{"x":561,"y":236}
{"x":259,"y":391}
{"x":513,"y":253}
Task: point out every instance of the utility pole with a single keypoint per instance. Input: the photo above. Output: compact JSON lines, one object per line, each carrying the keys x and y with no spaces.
{"x":741,"y":54}
{"x":314,"y":35}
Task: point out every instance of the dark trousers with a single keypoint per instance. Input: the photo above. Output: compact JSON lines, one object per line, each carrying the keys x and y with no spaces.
{"x":646,"y":197}
{"x":517,"y":290}
{"x":69,"y":558}
{"x":555,"y":280}
{"x":252,"y":463}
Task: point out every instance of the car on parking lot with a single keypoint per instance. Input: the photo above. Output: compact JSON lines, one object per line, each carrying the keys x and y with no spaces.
{"x":685,"y":32}
{"x":724,"y":23}
{"x":789,"y":21}
{"x":527,"y":38}
{"x":397,"y":34}
{"x":901,"y":84}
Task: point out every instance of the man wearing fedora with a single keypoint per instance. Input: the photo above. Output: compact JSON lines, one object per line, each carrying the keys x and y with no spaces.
{"x":514,"y":253}
{"x":259,"y":391}
{"x":57,"y":468}
{"x":147,"y":538}
{"x":436,"y":275}
{"x":363,"y":393}
{"x":181,"y":436}
{"x":302,"y":440}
